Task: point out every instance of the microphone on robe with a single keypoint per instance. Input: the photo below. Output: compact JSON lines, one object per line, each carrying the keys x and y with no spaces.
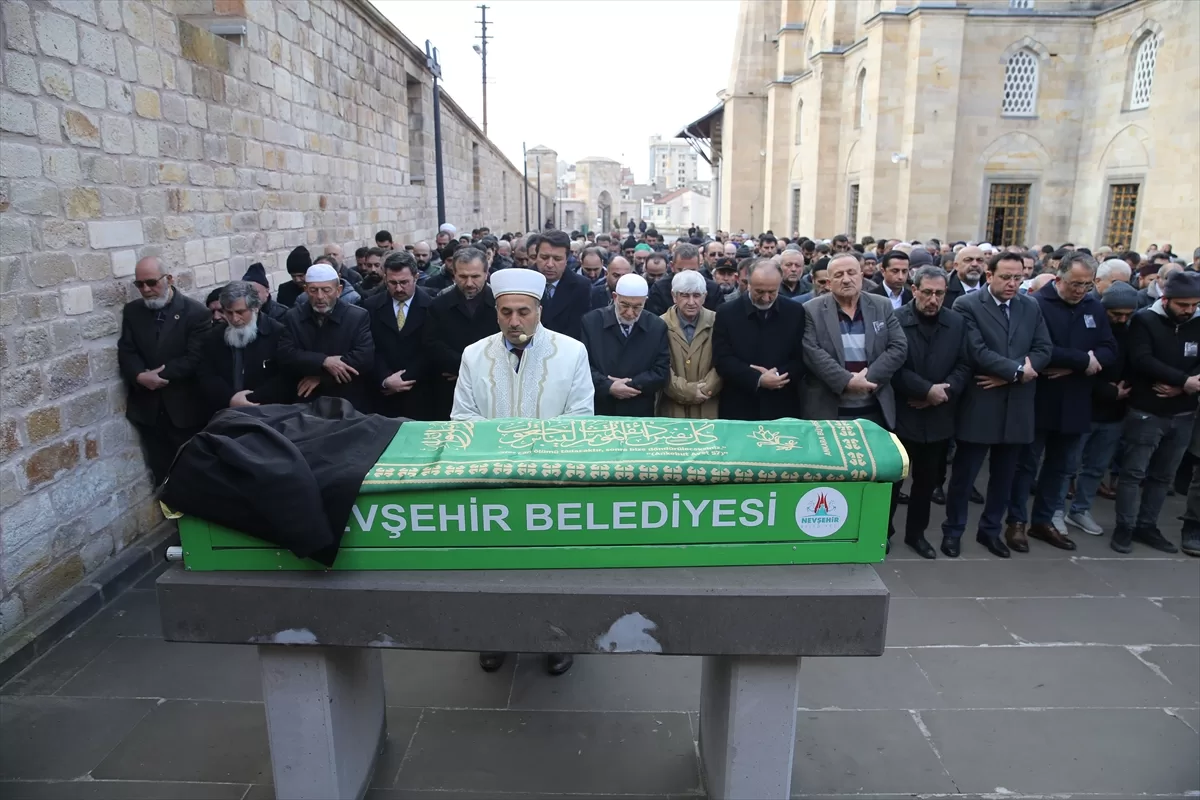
{"x":523,"y":338}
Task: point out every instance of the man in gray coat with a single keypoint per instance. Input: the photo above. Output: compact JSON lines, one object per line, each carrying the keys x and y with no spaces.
{"x":853,"y":343}
{"x":1007,"y":345}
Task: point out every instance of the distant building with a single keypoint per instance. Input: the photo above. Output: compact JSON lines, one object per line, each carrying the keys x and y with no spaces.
{"x":1011,"y":121}
{"x":672,"y":163}
{"x":675,"y":212}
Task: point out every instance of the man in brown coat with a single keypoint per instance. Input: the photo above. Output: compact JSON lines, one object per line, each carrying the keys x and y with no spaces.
{"x":691,"y":392}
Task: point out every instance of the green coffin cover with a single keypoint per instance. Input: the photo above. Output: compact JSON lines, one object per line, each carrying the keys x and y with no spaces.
{"x":614,"y":451}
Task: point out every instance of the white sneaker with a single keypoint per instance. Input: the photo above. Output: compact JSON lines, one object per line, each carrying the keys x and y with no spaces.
{"x":1085,"y":523}
{"x":1059,"y":525}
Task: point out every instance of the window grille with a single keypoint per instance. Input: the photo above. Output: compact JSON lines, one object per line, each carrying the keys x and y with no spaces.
{"x":1143,"y":72}
{"x":1021,"y":84}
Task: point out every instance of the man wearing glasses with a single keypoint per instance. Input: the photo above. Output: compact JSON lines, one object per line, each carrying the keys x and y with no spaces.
{"x":1083,"y":344}
{"x":1007,"y":345}
{"x":161,"y":345}
{"x":928,"y":388}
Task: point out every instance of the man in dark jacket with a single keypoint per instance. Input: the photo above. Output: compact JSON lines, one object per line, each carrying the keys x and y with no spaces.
{"x":687,"y":256}
{"x":601,"y":296}
{"x":758,"y":350}
{"x":628,"y":351}
{"x":404,"y":372}
{"x":1007,"y":345}
{"x":1110,"y":395}
{"x":257,"y":275}
{"x":457,"y":318}
{"x":928,"y":388}
{"x":298,"y":262}
{"x":241,"y":365}
{"x":568,"y":294}
{"x":1164,"y":378}
{"x":893,"y":271}
{"x":968,"y":270}
{"x":1082,"y":346}
{"x":160,"y":348}
{"x":326,"y":345}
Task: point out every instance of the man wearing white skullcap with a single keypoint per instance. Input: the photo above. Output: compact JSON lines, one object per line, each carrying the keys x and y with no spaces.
{"x":326,"y":346}
{"x":448,"y":228}
{"x":628,"y":351}
{"x":525,"y":370}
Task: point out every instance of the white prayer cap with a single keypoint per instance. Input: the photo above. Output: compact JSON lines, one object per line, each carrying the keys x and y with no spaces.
{"x":320,"y":272}
{"x":987,"y":247}
{"x":518,"y":281}
{"x":632,"y":285}
{"x":448,"y":228}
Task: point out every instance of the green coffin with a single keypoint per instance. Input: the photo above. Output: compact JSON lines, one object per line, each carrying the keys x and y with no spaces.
{"x":604,"y":492}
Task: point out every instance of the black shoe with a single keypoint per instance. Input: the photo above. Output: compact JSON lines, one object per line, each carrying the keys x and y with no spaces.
{"x":951,"y":547}
{"x":976,"y":497}
{"x":490,"y":662}
{"x":901,"y":499}
{"x":938,"y":496}
{"x":1122,"y":540}
{"x":1190,"y":543}
{"x":994,"y":546}
{"x":558,"y":663}
{"x":1152,"y":537}
{"x":923,"y":547}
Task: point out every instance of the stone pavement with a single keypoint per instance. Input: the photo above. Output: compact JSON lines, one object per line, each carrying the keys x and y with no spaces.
{"x":1076,"y":675}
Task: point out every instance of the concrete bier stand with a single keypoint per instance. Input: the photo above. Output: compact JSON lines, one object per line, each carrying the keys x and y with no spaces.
{"x":748,"y":544}
{"x":319,"y":637}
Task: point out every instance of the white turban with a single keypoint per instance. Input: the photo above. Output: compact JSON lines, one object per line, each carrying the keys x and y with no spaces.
{"x":448,"y":228}
{"x":518,"y":281}
{"x":632,"y":285}
{"x":320,"y":272}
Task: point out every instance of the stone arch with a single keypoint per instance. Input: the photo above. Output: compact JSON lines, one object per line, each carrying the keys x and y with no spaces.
{"x":1025,"y":43}
{"x":1016,"y":151}
{"x":1148,"y":26}
{"x":796,"y":172}
{"x":1131,"y":148}
{"x":852,"y":160}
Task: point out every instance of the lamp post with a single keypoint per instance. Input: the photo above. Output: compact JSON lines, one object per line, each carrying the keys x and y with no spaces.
{"x":481,"y":49}
{"x":540,"y":221}
{"x":431,"y":63}
{"x":525,"y":167}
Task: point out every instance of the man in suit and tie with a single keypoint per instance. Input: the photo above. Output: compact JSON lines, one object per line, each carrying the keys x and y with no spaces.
{"x":1007,"y":345}
{"x":404,"y":372}
{"x":628,"y":351}
{"x":894,"y":271}
{"x":158,"y":353}
{"x":568,"y":294}
{"x":853,"y":344}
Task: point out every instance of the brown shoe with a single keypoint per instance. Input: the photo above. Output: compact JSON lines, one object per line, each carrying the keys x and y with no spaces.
{"x":1049,"y":535}
{"x":1014,"y":535}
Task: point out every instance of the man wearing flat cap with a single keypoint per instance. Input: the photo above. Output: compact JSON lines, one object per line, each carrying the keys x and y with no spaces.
{"x":326,"y":346}
{"x":628,"y":350}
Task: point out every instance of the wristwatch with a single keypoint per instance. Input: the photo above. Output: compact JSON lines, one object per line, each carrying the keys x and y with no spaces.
{"x":1019,"y":374}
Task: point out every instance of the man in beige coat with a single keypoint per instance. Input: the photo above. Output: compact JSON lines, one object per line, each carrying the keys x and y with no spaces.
{"x":691,"y":392}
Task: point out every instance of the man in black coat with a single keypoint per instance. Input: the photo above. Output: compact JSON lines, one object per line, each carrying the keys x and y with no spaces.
{"x":161,"y":345}
{"x":241,"y":364}
{"x":687,"y":256}
{"x":326,"y":346}
{"x":568,"y":294}
{"x":628,"y":351}
{"x":758,"y":350}
{"x":928,"y":387}
{"x":1083,"y":345}
{"x":601,"y":295}
{"x":298,"y":262}
{"x":404,"y":371}
{"x":967,"y":274}
{"x":457,"y":318}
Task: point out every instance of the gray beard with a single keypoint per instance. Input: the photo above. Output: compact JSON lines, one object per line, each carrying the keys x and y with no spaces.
{"x":240,"y":338}
{"x":767,"y":307}
{"x":157,"y":303}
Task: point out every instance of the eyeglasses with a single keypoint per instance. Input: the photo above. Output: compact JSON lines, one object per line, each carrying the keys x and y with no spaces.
{"x":931,"y":292}
{"x":1080,"y":286}
{"x":149,"y":283}
{"x":1010,"y":278}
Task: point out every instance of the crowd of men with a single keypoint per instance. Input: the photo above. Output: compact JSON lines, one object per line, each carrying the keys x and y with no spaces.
{"x":1074,"y":374}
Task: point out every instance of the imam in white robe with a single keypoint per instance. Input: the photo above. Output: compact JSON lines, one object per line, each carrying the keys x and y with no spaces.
{"x":553,"y":379}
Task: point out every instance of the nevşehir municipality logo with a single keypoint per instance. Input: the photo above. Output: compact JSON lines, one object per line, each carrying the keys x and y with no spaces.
{"x":821,"y":512}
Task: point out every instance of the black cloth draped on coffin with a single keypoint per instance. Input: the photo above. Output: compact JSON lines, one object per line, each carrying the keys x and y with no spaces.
{"x":288,"y":474}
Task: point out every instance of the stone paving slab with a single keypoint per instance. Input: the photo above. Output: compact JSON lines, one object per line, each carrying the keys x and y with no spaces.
{"x":1076,"y":674}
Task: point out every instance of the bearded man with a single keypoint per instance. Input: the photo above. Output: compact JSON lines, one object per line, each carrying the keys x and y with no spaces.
{"x":241,"y":365}
{"x":161,"y":345}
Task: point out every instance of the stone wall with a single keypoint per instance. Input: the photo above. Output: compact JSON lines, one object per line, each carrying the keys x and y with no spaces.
{"x":127,"y":129}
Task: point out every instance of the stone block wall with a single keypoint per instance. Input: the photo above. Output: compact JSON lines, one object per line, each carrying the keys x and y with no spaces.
{"x":128,"y":128}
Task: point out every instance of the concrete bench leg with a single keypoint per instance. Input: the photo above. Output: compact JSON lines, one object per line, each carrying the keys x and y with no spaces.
{"x":748,"y":726}
{"x":325,"y":719}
